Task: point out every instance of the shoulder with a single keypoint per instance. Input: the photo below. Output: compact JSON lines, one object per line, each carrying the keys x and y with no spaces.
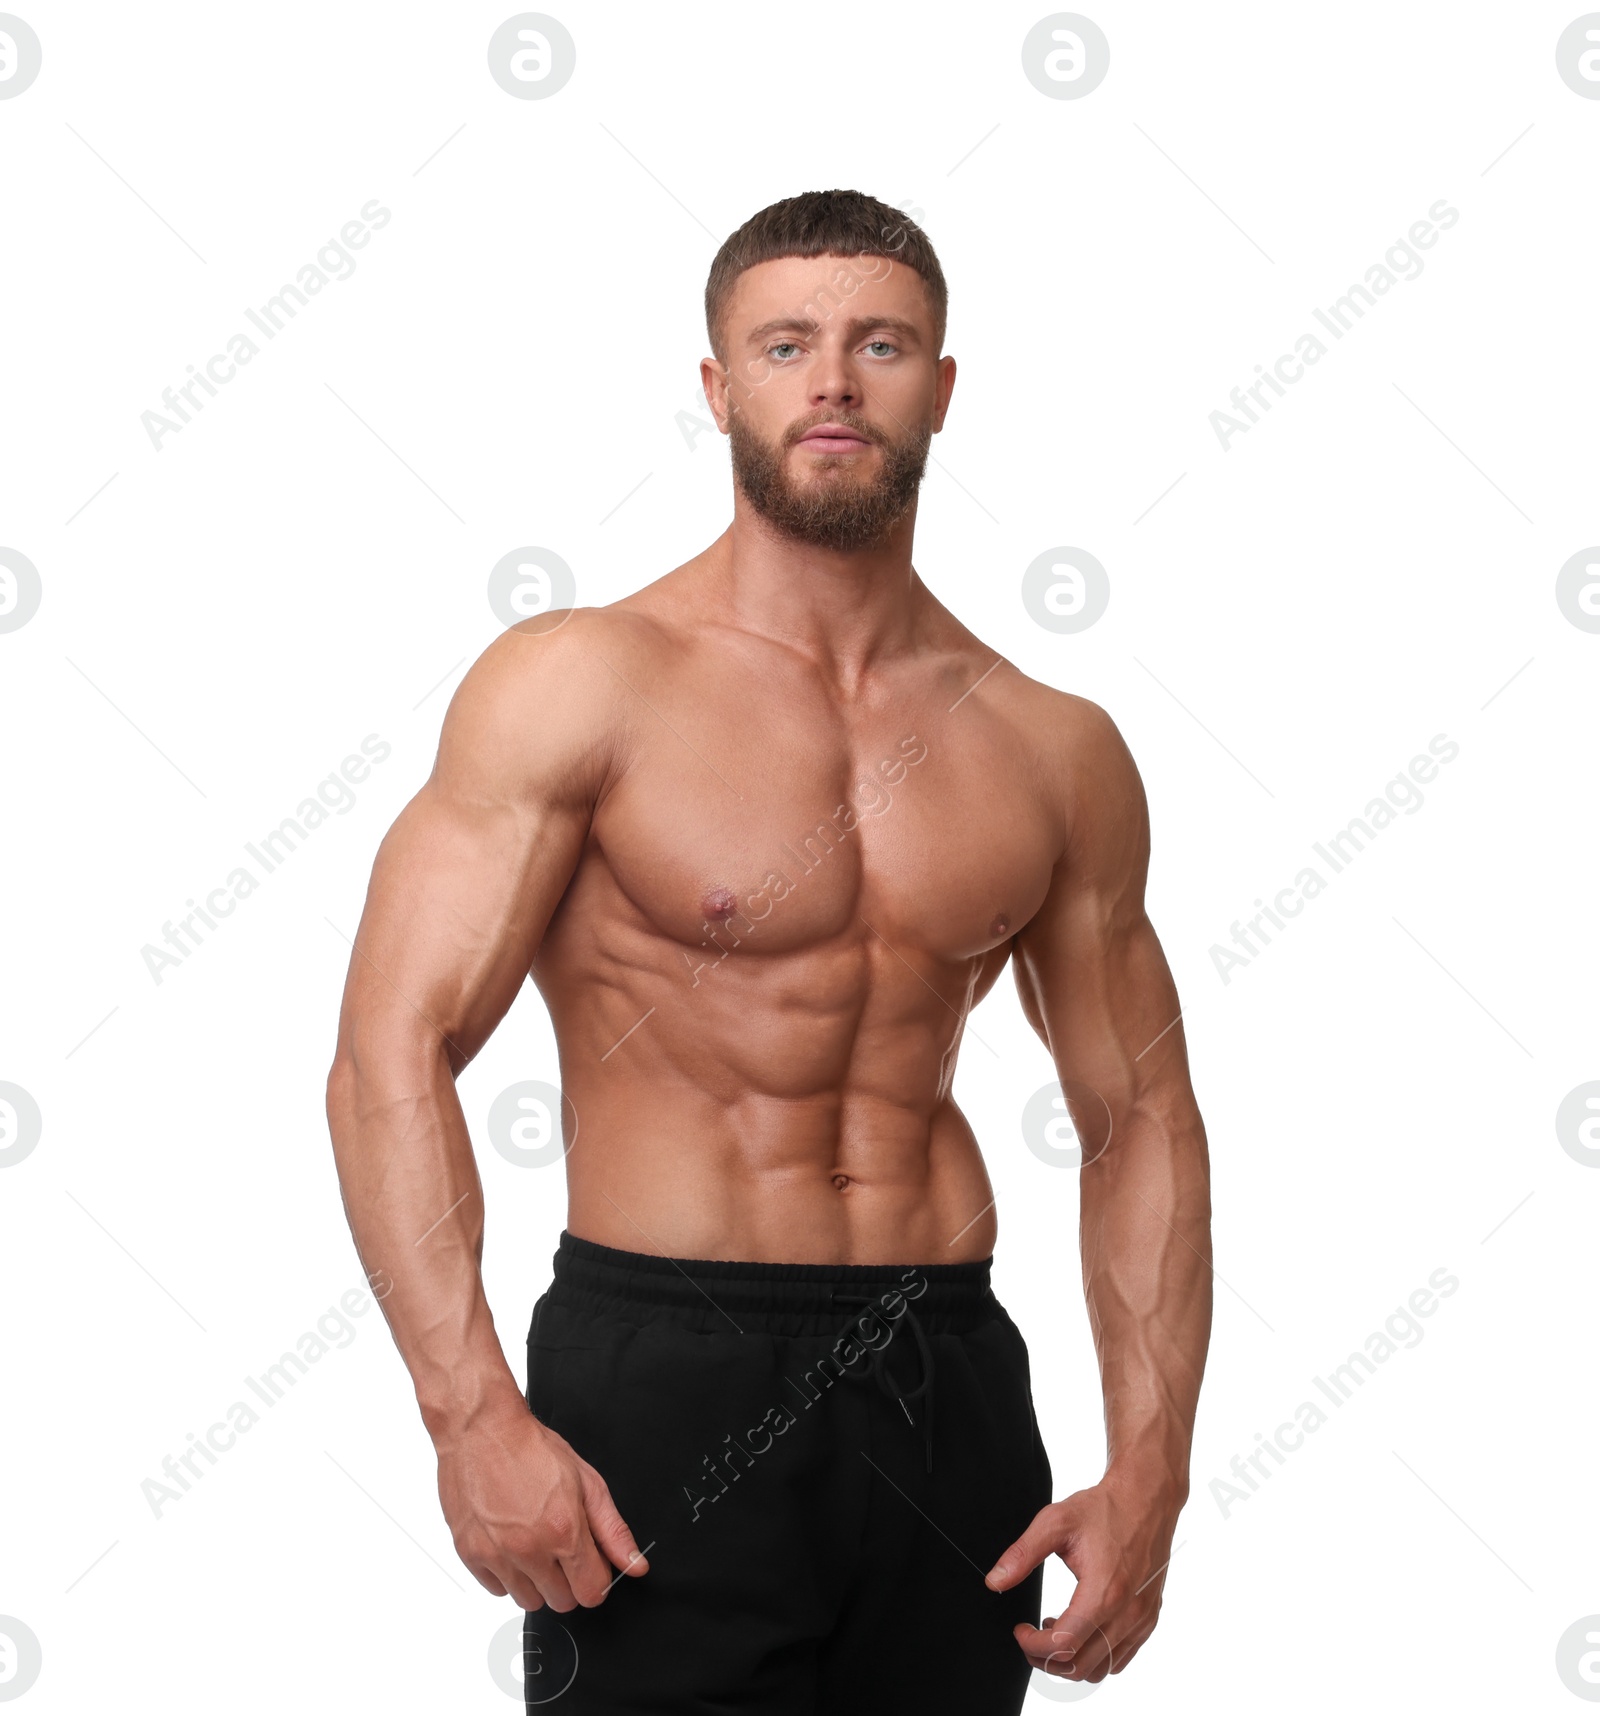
{"x":1107,"y":815}
{"x":545,"y":705}
{"x":1077,"y":754}
{"x":1086,"y":766}
{"x":1078,"y":745}
{"x":564,"y":650}
{"x":1059,"y":726}
{"x":1064,"y":719}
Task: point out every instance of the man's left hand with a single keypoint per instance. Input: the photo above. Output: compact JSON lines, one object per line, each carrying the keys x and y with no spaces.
{"x":1117,"y":1539}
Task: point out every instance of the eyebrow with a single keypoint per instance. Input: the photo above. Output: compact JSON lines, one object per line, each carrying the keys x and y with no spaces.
{"x":856,"y":326}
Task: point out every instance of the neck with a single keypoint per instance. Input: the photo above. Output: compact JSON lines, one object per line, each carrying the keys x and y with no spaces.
{"x":848,"y":609}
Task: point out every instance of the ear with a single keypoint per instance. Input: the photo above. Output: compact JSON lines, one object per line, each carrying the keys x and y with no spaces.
{"x":942,"y":391}
{"x":714,"y":382}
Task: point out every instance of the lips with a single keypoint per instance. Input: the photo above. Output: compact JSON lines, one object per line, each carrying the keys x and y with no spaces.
{"x":833,"y":438}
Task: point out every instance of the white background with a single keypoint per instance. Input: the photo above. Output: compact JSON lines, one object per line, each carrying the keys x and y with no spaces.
{"x":1293,"y":621}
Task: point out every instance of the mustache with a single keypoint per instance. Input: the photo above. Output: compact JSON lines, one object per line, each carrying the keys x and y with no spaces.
{"x":855,"y":423}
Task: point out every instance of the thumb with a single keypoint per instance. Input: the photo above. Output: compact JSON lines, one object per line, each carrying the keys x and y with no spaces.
{"x":1038,"y":1541}
{"x":608,"y":1527}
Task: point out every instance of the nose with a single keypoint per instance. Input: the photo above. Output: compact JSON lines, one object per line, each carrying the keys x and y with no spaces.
{"x":834,"y":382}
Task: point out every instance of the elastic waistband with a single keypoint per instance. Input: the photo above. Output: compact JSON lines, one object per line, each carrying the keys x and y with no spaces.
{"x":772,"y":1298}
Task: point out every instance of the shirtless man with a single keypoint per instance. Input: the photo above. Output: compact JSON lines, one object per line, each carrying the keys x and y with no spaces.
{"x":763,"y":834}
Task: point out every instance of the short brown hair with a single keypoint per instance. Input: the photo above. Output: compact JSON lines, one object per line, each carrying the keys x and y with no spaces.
{"x":824,"y":223}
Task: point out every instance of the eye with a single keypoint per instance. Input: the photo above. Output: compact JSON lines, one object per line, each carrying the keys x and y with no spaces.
{"x":781,"y":349}
{"x":887,"y":346}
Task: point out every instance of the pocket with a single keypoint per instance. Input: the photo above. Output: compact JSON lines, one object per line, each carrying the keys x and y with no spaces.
{"x":1021,"y":1363}
{"x":1047,"y":1493}
{"x":543,"y":1356}
{"x":1044,"y":1477}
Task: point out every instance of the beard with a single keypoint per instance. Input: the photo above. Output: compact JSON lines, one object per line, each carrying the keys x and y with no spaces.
{"x":832,"y":507}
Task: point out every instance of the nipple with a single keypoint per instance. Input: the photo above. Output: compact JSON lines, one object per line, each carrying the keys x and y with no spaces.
{"x":1000,"y":925}
{"x":718,"y":904}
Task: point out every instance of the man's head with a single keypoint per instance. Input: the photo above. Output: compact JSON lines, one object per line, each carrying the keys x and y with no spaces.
{"x":827,"y":315}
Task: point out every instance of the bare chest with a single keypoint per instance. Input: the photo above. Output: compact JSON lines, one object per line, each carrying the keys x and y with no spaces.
{"x":920,"y":827}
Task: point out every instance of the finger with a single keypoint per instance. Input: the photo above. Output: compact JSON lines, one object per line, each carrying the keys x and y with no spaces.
{"x":609,"y":1528}
{"x":1094,"y":1605}
{"x":1037,"y":1645}
{"x":533,"y":1584}
{"x":1129,"y":1648}
{"x":588,"y":1573}
{"x":560,"y":1558}
{"x":1054,"y":1662}
{"x":1108,"y":1651}
{"x":487,"y":1580}
{"x":1051,"y":1658}
{"x":1047,"y":1643}
{"x":529,"y":1564}
{"x":1093,"y":1659}
{"x":1044,"y":1534}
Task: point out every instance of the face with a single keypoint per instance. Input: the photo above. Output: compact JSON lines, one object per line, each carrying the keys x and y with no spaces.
{"x":832,"y":389}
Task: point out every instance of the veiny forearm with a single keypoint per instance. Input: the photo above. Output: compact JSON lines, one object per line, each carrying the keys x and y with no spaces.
{"x":1145,"y":1234}
{"x":415,"y":1207}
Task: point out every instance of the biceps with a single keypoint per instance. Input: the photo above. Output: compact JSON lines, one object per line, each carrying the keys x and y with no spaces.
{"x":460,"y":897}
{"x":1123,"y":999}
{"x":1098,"y":990}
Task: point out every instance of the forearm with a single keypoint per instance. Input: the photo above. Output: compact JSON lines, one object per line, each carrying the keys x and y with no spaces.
{"x":415,"y":1207}
{"x":1145,"y":1234}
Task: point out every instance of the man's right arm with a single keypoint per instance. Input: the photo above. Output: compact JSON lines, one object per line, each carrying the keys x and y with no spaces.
{"x":462,"y":890}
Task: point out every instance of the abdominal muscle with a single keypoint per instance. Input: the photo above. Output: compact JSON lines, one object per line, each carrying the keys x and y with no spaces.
{"x":767,"y":1184}
{"x":793,"y":1109}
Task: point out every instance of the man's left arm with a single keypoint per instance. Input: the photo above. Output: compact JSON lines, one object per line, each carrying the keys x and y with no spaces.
{"x":1095,"y":985}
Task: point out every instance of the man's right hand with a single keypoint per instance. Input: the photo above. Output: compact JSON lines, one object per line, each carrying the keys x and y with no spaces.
{"x":530,"y":1518}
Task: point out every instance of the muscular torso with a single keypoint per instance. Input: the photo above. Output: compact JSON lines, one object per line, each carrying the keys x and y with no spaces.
{"x":791,"y":895}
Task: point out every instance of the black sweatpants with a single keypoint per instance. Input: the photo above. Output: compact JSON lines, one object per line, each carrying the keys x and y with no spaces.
{"x":820,"y":1464}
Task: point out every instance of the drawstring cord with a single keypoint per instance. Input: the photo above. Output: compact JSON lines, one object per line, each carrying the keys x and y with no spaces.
{"x":878,"y":1366}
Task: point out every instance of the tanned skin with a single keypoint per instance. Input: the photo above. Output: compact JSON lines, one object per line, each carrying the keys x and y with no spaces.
{"x":763,"y":834}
